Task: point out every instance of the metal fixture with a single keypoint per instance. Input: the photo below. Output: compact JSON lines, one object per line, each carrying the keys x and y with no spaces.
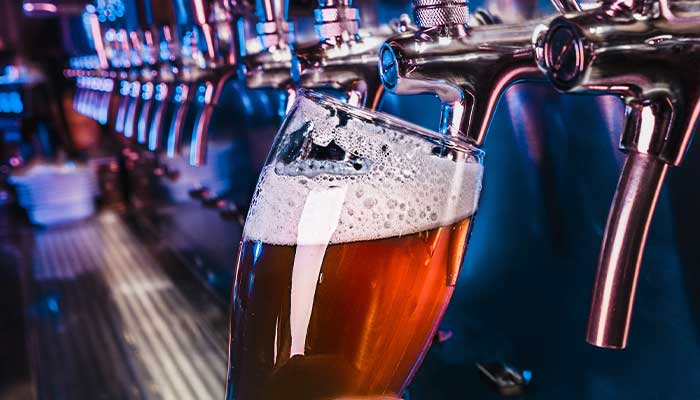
{"x":468,"y":68}
{"x":224,"y":53}
{"x":344,"y":58}
{"x":645,"y":53}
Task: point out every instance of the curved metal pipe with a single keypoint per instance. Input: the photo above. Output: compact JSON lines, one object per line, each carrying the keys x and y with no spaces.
{"x":162,"y":100}
{"x":623,"y":248}
{"x":124,"y":91}
{"x":134,"y":102}
{"x":145,"y":112}
{"x":212,"y":94}
{"x":182,"y":105}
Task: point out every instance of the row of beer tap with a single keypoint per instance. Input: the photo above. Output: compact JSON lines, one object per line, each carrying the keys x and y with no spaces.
{"x":643,"y":51}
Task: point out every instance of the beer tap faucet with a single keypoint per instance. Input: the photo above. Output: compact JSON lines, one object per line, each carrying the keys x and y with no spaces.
{"x":645,"y":53}
{"x":467,"y":68}
{"x":343,"y":59}
{"x":147,"y":39}
{"x":190,"y":69}
{"x":168,"y":60}
{"x":224,"y":55}
{"x":135,"y":76}
{"x":128,"y":41}
{"x":270,"y":68}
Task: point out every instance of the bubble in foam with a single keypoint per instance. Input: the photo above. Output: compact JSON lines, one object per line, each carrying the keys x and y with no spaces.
{"x":398,"y":179}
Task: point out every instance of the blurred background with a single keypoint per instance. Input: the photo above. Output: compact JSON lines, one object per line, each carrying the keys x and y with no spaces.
{"x":117,"y":254}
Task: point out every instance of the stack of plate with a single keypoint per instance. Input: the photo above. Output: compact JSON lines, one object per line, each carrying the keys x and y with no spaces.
{"x":215,"y":175}
{"x":54,"y":194}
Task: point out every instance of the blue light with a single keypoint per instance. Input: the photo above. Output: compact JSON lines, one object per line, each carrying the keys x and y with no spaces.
{"x":257,"y":251}
{"x":527,"y":376}
{"x":16,"y":105}
{"x":52,"y":304}
{"x":124,"y":88}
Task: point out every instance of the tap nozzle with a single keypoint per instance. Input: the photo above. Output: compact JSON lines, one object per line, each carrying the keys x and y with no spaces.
{"x":627,"y":48}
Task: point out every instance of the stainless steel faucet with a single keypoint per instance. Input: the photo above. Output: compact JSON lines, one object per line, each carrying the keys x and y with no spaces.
{"x":270,"y":68}
{"x":467,"y":68}
{"x":344,"y":59}
{"x":195,"y":50}
{"x":644,"y":52}
{"x":224,"y":53}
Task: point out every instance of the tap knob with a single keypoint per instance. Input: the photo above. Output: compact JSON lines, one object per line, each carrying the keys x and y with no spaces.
{"x":430,"y":13}
{"x":642,"y":52}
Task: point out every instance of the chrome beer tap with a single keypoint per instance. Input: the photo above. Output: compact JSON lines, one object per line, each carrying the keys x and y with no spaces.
{"x":148,"y":41}
{"x":127,"y":62}
{"x":266,"y":69}
{"x":191,"y":67}
{"x":168,"y":59}
{"x":136,"y":84}
{"x":644,"y":52}
{"x":344,"y":59}
{"x":270,"y":68}
{"x":223,"y":20}
{"x":467,"y":68}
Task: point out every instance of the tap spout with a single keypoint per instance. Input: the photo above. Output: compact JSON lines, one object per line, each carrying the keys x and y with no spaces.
{"x":212,"y":93}
{"x":134,"y":102}
{"x":162,"y":99}
{"x":621,"y":255}
{"x":122,"y":107}
{"x":182,"y":100}
{"x":144,"y":116}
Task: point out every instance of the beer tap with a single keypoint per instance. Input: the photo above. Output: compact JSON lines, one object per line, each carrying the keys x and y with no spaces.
{"x":467,"y":68}
{"x":135,"y":76}
{"x":343,"y":59}
{"x":191,"y":66}
{"x":266,"y":69}
{"x":168,"y":56}
{"x":224,"y":55}
{"x":128,"y":62}
{"x":645,"y":53}
{"x":148,"y":39}
{"x":270,"y":68}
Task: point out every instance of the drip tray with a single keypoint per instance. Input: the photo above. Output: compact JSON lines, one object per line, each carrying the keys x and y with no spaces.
{"x":109,"y":320}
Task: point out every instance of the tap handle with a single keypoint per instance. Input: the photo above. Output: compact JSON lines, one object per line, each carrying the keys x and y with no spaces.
{"x":623,"y":247}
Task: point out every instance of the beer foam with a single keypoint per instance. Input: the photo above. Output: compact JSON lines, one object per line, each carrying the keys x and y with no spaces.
{"x":391,"y":184}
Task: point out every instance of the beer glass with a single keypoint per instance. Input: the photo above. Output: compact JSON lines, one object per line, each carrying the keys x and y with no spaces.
{"x":350,"y":254}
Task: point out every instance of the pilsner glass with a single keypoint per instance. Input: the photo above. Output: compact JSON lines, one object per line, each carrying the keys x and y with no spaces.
{"x":350,"y":254}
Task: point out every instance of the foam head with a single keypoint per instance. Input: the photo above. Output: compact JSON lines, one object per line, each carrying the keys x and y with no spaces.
{"x":336,"y":178}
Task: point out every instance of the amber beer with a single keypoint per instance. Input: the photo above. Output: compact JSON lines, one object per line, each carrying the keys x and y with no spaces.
{"x":346,"y":267}
{"x":376,"y":307}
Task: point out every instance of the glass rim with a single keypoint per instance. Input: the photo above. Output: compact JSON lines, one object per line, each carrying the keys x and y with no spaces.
{"x":461,"y":144}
